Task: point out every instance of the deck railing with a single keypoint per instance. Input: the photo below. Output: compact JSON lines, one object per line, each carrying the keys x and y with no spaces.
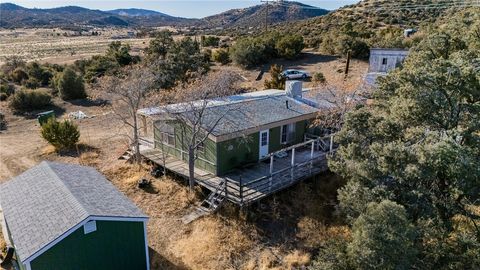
{"x":243,"y":192}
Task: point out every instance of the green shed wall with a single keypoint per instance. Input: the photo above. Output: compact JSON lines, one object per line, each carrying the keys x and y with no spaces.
{"x":114,"y":245}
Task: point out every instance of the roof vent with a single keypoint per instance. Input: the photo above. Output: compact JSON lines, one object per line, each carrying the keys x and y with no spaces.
{"x":293,"y":89}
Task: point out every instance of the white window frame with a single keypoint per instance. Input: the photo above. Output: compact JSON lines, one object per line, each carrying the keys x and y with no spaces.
{"x":384,"y":59}
{"x":168,"y":136}
{"x":289,"y":130}
{"x":90,"y":227}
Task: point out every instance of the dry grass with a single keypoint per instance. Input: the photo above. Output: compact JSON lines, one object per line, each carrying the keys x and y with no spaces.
{"x":3,"y":245}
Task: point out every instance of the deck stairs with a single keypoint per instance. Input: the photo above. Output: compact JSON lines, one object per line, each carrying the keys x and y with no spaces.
{"x":211,"y":204}
{"x":127,"y":155}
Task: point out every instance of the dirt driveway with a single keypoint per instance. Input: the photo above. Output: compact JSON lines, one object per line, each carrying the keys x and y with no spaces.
{"x":21,"y":145}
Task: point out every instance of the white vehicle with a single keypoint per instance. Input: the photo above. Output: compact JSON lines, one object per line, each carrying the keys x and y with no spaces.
{"x":290,"y":74}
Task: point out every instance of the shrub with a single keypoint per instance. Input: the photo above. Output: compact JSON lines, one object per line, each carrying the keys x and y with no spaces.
{"x":39,"y":74}
{"x":290,"y":46}
{"x":62,"y":135}
{"x":221,"y":56}
{"x":69,"y":85}
{"x":248,"y":53}
{"x":276,"y":81}
{"x":319,"y":78}
{"x":210,"y":41}
{"x":3,"y":122}
{"x":7,"y":89}
{"x":3,"y":96}
{"x":19,"y":75}
{"x":29,"y":100}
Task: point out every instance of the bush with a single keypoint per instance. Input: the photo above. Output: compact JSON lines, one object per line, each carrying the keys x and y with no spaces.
{"x":221,"y":56}
{"x":276,"y":81}
{"x":290,"y":46}
{"x":39,"y":75}
{"x":19,"y":75}
{"x":319,"y":78}
{"x":7,"y":89}
{"x":62,"y":135}
{"x":248,"y":53}
{"x":69,"y":85}
{"x":3,"y":122}
{"x":29,"y":100}
{"x":210,"y":41}
{"x":3,"y":96}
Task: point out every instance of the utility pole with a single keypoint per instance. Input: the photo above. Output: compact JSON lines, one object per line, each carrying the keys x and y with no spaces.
{"x":347,"y":66}
{"x":266,"y":14}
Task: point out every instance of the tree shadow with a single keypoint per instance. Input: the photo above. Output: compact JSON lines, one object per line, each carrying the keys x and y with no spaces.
{"x":78,"y":150}
{"x":86,"y":102}
{"x":59,"y":111}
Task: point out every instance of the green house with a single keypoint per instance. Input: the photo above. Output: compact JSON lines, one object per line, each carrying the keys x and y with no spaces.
{"x":241,"y":129}
{"x":63,"y":216}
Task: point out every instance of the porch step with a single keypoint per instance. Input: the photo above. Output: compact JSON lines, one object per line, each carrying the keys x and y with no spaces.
{"x":208,"y":206}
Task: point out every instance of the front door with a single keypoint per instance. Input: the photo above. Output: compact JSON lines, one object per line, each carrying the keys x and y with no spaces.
{"x":264,"y":138}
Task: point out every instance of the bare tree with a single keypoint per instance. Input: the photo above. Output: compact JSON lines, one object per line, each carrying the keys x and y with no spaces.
{"x":192,"y":111}
{"x":128,"y":94}
{"x":337,"y":103}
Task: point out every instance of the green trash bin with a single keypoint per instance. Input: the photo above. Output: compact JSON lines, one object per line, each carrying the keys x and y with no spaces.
{"x":44,"y":116}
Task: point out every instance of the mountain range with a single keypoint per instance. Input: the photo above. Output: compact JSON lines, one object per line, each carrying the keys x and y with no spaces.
{"x":12,"y":16}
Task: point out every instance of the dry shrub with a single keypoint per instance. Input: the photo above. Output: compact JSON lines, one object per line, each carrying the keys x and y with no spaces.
{"x":296,"y":259}
{"x":313,"y":233}
{"x":90,"y":158}
{"x":212,"y":244}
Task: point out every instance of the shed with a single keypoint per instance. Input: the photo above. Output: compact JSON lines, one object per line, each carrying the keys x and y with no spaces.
{"x":64,"y":216}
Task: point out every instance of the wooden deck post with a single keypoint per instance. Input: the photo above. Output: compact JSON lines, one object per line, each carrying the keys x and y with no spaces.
{"x":292,"y":165}
{"x":311,"y":156}
{"x":271,"y":172}
{"x":241,"y":190}
{"x":331,"y":143}
{"x":226,"y":186}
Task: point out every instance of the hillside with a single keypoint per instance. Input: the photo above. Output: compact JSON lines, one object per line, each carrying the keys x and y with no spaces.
{"x":13,"y":16}
{"x":255,"y":16}
{"x":136,"y":12}
{"x":369,"y":17}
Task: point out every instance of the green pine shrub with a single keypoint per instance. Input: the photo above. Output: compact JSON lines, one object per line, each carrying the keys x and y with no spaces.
{"x":62,"y":135}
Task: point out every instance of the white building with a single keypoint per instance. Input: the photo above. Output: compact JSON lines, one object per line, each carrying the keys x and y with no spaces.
{"x":382,"y":61}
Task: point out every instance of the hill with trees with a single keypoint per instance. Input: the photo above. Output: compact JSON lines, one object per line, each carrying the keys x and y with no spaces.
{"x":13,"y":16}
{"x":254,"y":16}
{"x":375,"y":23}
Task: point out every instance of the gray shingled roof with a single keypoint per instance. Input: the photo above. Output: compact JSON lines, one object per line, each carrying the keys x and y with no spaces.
{"x":47,"y":200}
{"x":252,"y":113}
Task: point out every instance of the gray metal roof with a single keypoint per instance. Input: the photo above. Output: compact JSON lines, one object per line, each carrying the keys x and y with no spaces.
{"x":47,"y":200}
{"x":253,"y":113}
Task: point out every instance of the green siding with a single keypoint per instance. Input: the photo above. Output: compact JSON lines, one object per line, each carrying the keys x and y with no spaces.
{"x":237,"y":152}
{"x":230,"y":154}
{"x":210,"y":152}
{"x":114,"y":245}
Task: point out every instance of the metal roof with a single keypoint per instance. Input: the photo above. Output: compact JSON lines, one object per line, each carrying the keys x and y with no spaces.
{"x":46,"y":201}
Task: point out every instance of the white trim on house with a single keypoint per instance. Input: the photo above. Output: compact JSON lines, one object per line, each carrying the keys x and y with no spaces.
{"x":28,"y":260}
{"x":146,"y":244}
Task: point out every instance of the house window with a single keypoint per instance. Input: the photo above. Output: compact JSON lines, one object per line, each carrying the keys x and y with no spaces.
{"x":167,"y":134}
{"x":168,"y":138}
{"x":90,"y":227}
{"x":287,"y":133}
{"x":384,"y":61}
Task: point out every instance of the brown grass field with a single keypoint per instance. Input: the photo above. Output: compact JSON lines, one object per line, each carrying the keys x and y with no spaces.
{"x":49,"y":45}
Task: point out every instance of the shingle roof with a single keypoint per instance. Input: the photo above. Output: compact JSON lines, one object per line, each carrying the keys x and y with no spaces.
{"x":253,"y":113}
{"x":47,"y":200}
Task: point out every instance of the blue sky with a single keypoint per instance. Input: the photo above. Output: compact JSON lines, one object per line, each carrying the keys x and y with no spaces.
{"x":181,"y":8}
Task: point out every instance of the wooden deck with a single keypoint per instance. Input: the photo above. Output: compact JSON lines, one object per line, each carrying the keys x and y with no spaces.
{"x":249,"y":184}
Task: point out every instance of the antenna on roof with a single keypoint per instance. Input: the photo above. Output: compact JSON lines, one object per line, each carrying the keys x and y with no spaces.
{"x":286,"y":104}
